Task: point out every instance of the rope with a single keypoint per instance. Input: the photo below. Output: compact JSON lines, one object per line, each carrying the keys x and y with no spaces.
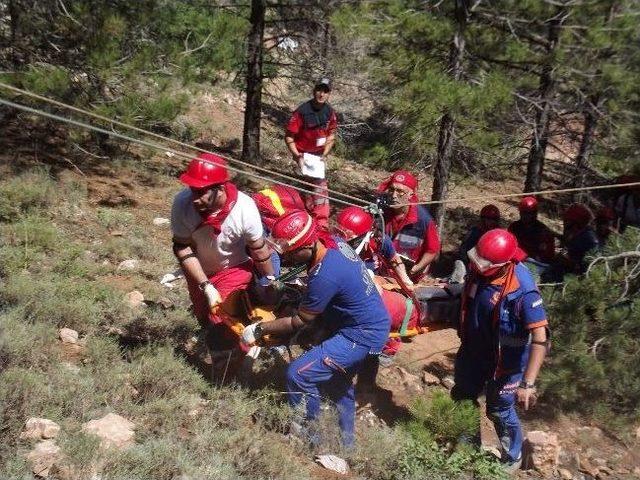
{"x":77,"y":123}
{"x":525,"y":194}
{"x":171,"y":140}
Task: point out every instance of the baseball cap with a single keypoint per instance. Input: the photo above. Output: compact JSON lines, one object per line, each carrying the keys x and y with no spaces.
{"x":324,"y":82}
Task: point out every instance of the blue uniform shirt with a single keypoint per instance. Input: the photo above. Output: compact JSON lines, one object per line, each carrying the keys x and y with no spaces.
{"x":521,"y":310}
{"x":341,"y":289}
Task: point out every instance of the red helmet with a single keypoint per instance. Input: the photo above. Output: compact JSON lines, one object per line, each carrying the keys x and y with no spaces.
{"x":292,"y":231}
{"x":354,"y":221}
{"x":205,"y":170}
{"x":276,"y":201}
{"x":528,"y":204}
{"x":495,"y":249}
{"x":490,"y":211}
{"x":577,"y":214}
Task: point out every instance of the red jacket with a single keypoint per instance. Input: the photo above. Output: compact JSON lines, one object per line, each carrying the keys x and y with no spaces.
{"x":310,"y":128}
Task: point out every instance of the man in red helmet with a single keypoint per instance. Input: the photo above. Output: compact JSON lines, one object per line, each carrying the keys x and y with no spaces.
{"x":339,"y":290}
{"x":311,"y":131}
{"x":489,"y":219}
{"x":605,"y":224}
{"x":503,"y":333}
{"x":214,"y":226}
{"x":534,"y":237}
{"x":578,"y":238}
{"x":378,"y":255}
{"x":412,"y":229}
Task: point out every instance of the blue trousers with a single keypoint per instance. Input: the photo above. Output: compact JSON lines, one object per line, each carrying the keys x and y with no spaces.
{"x":328,"y":369}
{"x":471,"y":378}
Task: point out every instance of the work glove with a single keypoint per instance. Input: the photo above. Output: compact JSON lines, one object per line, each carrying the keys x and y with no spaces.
{"x":251,"y":333}
{"x":214,"y":299}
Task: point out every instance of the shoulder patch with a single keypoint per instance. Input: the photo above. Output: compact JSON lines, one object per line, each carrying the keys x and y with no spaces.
{"x":537,"y":303}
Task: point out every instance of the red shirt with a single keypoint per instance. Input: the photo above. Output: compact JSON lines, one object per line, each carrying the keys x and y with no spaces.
{"x":310,"y":128}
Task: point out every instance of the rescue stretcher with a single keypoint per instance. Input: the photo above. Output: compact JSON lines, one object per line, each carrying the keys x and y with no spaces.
{"x":438,"y":302}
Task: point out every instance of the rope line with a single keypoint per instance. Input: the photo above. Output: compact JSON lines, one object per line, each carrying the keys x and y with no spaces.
{"x":526,"y":194}
{"x":256,"y":167}
{"x":171,"y":140}
{"x":77,"y":123}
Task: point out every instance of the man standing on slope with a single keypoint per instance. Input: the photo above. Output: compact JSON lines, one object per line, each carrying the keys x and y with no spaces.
{"x":214,"y":226}
{"x":533,"y":236}
{"x":341,"y":291}
{"x":503,"y":333}
{"x":311,"y":130}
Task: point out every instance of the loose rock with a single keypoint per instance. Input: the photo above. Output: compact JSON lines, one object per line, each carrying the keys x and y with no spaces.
{"x":67,"y":335}
{"x":114,"y":430}
{"x":430,"y":378}
{"x":409,"y":380}
{"x":160,"y":221}
{"x":565,"y":474}
{"x":333,"y":463}
{"x":135,"y":299}
{"x":130,"y":264}
{"x":448,"y":382}
{"x":40,"y":428}
{"x":541,"y":452}
{"x":43,"y":457}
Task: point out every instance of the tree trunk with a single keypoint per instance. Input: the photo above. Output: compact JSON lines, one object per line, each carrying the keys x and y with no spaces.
{"x":537,"y":152}
{"x":446,"y":135}
{"x":582,"y":159}
{"x":253,"y":106}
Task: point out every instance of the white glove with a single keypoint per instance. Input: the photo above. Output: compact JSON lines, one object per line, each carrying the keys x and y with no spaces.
{"x":251,"y":333}
{"x":212,"y":295}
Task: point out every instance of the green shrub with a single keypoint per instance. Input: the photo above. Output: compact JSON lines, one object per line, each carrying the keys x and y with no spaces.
{"x":445,"y":419}
{"x":595,"y":324}
{"x":29,"y":193}
{"x":113,"y":218}
{"x":26,"y":345}
{"x":51,"y":80}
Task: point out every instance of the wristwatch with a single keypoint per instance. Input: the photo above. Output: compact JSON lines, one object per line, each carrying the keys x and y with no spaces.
{"x":526,"y":385}
{"x":202,"y":285}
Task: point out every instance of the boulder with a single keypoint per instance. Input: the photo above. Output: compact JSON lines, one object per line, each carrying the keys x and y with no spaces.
{"x":40,"y":428}
{"x":130,"y":264}
{"x":114,"y":430}
{"x":68,"y":335}
{"x":43,"y":457}
{"x":135,"y":299}
{"x":430,"y":379}
{"x":161,"y":222}
{"x":541,"y":452}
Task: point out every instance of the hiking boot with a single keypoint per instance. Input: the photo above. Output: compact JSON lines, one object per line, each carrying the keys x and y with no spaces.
{"x":512,"y":466}
{"x":385,"y":360}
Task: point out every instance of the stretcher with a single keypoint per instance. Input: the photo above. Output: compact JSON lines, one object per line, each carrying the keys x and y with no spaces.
{"x":439,"y":305}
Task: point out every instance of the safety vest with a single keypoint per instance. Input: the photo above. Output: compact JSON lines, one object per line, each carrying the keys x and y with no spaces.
{"x":312,"y":118}
{"x":511,"y":339}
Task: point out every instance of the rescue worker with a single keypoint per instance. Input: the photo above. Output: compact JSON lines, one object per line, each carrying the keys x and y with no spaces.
{"x":378,"y":255}
{"x":489,"y":219}
{"x":533,"y":236}
{"x":341,"y":291}
{"x":412,"y":229}
{"x":214,"y":225}
{"x":311,"y":129}
{"x":578,"y":238}
{"x":503,"y":333}
{"x":627,"y":205}
{"x":605,"y":225}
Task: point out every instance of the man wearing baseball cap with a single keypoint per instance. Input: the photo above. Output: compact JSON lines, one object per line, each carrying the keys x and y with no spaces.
{"x":218,"y":240}
{"x":410,"y":226}
{"x":311,"y":129}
